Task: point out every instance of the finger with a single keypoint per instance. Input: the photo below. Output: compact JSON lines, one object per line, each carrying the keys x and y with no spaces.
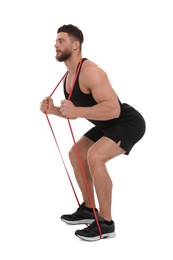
{"x":64,"y":101}
{"x":61,"y":110}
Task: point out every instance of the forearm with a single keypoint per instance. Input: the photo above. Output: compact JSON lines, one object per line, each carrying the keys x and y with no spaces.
{"x":56,"y":111}
{"x":101,"y":111}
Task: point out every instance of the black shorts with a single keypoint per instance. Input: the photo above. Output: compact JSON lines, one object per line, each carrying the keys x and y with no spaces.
{"x":129,"y":128}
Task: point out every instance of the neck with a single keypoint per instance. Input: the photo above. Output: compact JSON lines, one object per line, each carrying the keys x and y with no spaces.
{"x":72,"y":63}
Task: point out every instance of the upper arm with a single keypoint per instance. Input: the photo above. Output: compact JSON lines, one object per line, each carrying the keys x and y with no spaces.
{"x":96,"y":80}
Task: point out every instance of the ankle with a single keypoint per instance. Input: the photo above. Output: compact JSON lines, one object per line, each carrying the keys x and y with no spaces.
{"x":88,"y":205}
{"x":106,"y":217}
{"x":89,"y":208}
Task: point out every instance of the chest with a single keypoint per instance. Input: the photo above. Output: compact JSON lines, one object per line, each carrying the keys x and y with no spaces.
{"x":71,"y":80}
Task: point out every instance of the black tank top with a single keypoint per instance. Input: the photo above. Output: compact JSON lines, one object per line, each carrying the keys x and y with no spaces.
{"x":81,"y":99}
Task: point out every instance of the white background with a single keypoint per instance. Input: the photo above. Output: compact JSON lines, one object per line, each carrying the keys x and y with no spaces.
{"x":132,"y":41}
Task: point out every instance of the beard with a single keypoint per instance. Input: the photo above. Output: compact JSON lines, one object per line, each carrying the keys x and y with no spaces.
{"x":65,"y":55}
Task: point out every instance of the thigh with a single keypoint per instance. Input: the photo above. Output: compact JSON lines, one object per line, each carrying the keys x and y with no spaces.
{"x":83,"y":145}
{"x":106,"y":149}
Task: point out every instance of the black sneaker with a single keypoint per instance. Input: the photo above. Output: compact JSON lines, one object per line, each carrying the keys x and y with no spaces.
{"x":83,"y":215}
{"x":91,"y":233}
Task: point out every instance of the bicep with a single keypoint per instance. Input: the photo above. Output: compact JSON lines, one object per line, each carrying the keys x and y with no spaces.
{"x":101,"y":88}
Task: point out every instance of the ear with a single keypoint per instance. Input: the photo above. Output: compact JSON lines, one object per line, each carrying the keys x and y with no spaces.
{"x":76,"y":45}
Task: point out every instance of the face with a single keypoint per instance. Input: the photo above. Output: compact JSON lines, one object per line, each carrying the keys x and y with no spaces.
{"x":63,"y":47}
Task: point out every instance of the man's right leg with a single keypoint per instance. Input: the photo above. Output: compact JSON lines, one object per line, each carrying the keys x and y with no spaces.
{"x":84,"y":214}
{"x":83,"y":145}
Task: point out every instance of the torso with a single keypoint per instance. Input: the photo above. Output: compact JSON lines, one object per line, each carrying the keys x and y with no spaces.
{"x":81,"y":96}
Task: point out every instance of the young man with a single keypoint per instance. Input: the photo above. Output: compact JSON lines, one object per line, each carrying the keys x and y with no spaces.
{"x":117,"y":128}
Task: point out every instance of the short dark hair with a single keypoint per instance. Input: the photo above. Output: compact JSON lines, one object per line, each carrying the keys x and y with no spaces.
{"x":72,"y":31}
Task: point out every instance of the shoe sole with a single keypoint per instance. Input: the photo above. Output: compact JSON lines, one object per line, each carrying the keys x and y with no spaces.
{"x":104,"y":236}
{"x":78,"y":222}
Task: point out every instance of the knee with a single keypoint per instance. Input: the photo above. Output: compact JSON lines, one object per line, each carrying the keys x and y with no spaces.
{"x":76,"y":154}
{"x":94,"y":160}
{"x":72,"y":155}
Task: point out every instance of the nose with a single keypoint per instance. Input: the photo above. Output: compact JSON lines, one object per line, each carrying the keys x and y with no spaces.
{"x":56,"y":44}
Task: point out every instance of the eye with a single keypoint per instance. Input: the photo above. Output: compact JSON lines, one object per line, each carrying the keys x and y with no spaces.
{"x":60,"y":41}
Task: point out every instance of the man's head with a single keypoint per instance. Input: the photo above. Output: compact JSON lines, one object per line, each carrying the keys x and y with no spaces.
{"x":69,"y":39}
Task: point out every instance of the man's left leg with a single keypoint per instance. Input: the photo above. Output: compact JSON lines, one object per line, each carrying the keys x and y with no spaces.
{"x":101,"y":152}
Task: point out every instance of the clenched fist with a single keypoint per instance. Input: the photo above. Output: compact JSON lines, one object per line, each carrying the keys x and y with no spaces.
{"x":47,"y":105}
{"x":68,"y":109}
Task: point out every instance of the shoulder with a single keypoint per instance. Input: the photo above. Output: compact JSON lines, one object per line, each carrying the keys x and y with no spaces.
{"x":91,"y":71}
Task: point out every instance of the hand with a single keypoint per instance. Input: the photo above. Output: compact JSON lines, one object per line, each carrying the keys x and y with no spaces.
{"x":67,"y":109}
{"x":47,"y":106}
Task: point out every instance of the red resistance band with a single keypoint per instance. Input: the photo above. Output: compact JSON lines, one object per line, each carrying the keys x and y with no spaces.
{"x":76,"y":149}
